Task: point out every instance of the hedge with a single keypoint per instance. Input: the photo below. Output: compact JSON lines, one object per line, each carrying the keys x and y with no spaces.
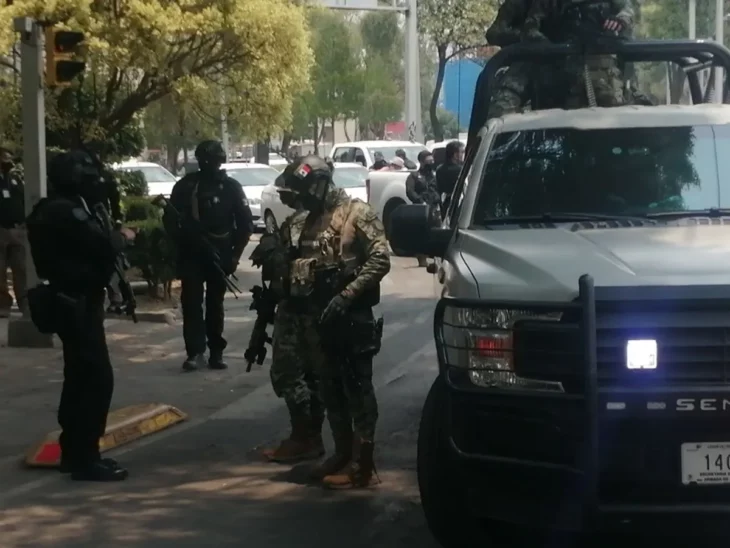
{"x":152,"y":252}
{"x":132,"y":183}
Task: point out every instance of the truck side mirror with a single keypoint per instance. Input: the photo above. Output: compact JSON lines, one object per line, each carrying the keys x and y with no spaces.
{"x":413,"y":233}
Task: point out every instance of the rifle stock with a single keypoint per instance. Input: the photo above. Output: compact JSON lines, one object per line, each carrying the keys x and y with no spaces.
{"x":264,"y":303}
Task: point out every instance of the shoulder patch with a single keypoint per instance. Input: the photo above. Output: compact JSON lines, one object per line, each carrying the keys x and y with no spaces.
{"x":80,"y":214}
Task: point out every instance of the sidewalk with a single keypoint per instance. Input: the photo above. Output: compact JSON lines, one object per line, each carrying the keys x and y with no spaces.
{"x":146,"y":359}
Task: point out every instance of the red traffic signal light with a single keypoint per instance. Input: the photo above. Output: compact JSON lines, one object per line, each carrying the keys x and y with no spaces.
{"x":62,"y":47}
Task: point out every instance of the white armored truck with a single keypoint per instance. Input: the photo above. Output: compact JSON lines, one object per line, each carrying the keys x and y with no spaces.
{"x":583,"y":334}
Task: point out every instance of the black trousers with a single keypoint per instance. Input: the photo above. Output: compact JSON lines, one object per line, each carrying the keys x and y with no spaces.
{"x":202,"y":283}
{"x":88,"y":381}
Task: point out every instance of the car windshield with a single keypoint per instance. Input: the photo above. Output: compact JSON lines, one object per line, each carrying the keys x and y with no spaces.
{"x":152,"y":174}
{"x":350,"y":177}
{"x":612,"y":172}
{"x":253,"y":176}
{"x":389,"y":152}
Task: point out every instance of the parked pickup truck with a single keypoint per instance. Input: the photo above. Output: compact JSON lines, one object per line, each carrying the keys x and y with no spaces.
{"x":387,"y":191}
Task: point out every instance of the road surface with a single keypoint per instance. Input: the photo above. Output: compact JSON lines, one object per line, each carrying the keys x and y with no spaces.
{"x":202,"y":483}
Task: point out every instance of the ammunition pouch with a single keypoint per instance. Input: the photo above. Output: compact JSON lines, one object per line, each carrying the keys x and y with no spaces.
{"x":355,"y":335}
{"x":43,"y":308}
{"x":50,"y":309}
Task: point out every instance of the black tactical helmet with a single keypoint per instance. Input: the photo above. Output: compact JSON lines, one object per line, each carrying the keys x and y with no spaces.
{"x":307,"y":172}
{"x":210,"y":152}
{"x":72,"y":170}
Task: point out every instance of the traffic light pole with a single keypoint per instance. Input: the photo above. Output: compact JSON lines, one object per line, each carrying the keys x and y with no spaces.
{"x":21,"y":331}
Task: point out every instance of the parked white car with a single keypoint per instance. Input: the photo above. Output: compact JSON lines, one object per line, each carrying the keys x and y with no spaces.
{"x":159,"y":180}
{"x":363,"y":152}
{"x":254,"y":178}
{"x":351,"y":177}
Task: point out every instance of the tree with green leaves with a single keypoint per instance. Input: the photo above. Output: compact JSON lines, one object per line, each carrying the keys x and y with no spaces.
{"x":452,"y":27}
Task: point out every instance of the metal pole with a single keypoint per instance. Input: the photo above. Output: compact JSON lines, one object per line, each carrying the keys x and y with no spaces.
{"x":719,"y":37}
{"x":22,"y":332}
{"x":692,"y":19}
{"x":34,"y":122}
{"x":413,"y":74}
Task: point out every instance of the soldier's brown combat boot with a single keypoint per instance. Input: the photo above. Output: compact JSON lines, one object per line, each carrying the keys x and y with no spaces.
{"x":302,"y":444}
{"x":360,"y":474}
{"x":338,"y":461}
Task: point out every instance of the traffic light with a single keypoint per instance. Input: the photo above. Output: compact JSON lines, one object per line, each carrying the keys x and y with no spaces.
{"x":62,"y":49}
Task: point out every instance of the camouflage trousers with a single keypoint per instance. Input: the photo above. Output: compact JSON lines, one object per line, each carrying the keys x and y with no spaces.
{"x":511,"y":92}
{"x":605,"y":76}
{"x":346,"y":381}
{"x":310,"y":379}
{"x":294,"y":364}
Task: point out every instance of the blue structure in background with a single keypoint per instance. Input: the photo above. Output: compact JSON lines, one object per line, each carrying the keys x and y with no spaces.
{"x":457,"y":94}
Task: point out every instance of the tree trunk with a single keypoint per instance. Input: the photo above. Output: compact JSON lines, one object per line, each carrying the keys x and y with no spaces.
{"x":438,"y":129}
{"x":344,"y":125}
{"x":315,"y":135}
{"x":285,"y":144}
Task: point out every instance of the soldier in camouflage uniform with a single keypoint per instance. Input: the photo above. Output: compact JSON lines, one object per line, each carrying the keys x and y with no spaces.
{"x":561,"y":18}
{"x":293,"y":376}
{"x":335,"y":279}
{"x":512,"y":91}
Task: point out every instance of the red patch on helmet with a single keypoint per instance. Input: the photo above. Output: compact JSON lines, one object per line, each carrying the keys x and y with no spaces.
{"x":303,"y":171}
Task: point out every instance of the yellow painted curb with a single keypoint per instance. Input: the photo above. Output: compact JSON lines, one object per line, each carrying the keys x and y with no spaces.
{"x":123,"y":426}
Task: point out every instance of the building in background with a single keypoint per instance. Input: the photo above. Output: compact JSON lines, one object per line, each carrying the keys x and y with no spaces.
{"x":457,"y":93}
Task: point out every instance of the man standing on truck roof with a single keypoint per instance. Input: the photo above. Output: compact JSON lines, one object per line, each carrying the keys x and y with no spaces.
{"x":506,"y":30}
{"x":595,"y":78}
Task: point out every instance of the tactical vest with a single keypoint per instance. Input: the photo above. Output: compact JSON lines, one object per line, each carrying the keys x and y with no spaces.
{"x":328,"y":257}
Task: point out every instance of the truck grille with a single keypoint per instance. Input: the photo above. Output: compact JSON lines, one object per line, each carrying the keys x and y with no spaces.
{"x":693,"y":346}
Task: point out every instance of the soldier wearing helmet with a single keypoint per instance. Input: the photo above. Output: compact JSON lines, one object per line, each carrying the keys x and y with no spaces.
{"x":207,"y":207}
{"x":75,"y":254}
{"x":340,"y":257}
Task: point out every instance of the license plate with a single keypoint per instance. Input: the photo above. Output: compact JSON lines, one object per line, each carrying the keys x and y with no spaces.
{"x":706,"y":463}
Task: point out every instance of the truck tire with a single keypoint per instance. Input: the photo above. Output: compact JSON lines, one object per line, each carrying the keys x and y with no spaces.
{"x":390,"y":207}
{"x":443,"y":498}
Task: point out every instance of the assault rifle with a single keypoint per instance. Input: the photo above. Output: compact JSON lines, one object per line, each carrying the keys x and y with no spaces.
{"x":207,"y":247}
{"x":264,"y":303}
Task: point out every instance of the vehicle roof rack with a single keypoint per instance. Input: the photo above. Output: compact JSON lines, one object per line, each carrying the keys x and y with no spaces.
{"x":691,"y":55}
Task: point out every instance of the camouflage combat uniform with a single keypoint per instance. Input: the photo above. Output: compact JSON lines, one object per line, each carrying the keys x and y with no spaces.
{"x":512,"y":91}
{"x":293,"y":376}
{"x":603,"y":70}
{"x":350,"y":231}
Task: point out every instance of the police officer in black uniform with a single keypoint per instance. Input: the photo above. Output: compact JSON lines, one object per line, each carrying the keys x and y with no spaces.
{"x":209,"y":211}
{"x":75,"y":254}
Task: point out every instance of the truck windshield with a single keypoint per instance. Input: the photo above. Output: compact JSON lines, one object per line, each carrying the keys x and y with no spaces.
{"x":628,"y":171}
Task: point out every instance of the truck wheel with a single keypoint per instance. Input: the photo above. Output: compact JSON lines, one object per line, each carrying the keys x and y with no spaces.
{"x":442,"y":496}
{"x":390,"y":207}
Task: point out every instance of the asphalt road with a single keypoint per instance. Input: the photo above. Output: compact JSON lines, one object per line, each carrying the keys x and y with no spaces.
{"x":202,"y":483}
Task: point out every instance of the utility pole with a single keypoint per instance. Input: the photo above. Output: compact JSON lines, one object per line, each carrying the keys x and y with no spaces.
{"x":21,"y":331}
{"x":720,"y":38}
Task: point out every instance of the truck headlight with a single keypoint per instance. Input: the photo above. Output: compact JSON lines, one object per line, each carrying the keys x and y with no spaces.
{"x":481,"y":341}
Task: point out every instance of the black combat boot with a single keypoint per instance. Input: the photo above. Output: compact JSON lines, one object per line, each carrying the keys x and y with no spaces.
{"x":100,"y":470}
{"x":193,"y":363}
{"x":216,"y":360}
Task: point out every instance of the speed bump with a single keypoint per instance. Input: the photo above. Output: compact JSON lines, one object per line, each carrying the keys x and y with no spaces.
{"x":122,"y":426}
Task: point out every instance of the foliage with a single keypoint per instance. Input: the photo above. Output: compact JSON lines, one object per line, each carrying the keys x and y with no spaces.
{"x":452,"y":27}
{"x":141,"y":51}
{"x":139,"y":208}
{"x":337,"y":78}
{"x":153,"y":254}
{"x":132,"y":183}
{"x":449,"y":124}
